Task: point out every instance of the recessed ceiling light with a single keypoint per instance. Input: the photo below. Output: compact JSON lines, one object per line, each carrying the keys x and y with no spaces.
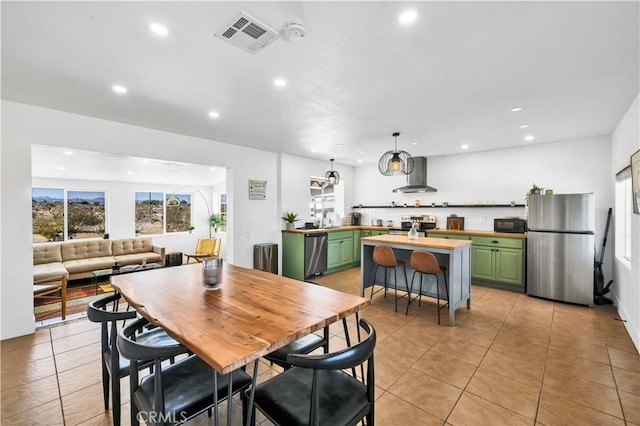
{"x":214,"y":114}
{"x":314,"y":150}
{"x":119,"y":89}
{"x":339,"y":145}
{"x":61,"y":168}
{"x":129,"y":173}
{"x":158,"y":28}
{"x":465,"y":146}
{"x":213,"y":168}
{"x":407,"y":17}
{"x":414,"y":143}
{"x":516,"y":109}
{"x":360,"y":161}
{"x":524,"y":126}
{"x":529,"y":138}
{"x":362,"y":151}
{"x":280,"y":82}
{"x":68,"y":153}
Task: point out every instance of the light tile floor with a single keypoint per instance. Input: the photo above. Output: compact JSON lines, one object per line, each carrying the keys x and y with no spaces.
{"x":511,"y":359}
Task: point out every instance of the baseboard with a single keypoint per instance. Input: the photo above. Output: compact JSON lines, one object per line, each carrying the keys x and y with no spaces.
{"x":632,"y":328}
{"x":10,"y":330}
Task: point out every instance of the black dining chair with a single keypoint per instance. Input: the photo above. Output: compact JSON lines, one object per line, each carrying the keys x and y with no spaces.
{"x":177,"y":392}
{"x":317,"y":391}
{"x":304,"y":345}
{"x":114,"y":367}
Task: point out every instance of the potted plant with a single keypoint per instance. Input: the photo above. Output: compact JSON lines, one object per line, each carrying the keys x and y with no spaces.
{"x":215,"y":221}
{"x":137,"y":232}
{"x":289,"y":218}
{"x":190,"y":228}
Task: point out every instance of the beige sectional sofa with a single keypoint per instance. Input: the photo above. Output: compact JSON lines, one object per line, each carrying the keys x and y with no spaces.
{"x":76,"y":259}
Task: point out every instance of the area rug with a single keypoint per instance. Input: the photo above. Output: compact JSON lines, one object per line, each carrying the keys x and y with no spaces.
{"x":77,"y":300}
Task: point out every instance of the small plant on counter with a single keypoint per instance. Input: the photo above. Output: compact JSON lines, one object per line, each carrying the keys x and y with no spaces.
{"x":290,"y":217}
{"x":190,"y":228}
{"x":535,"y":190}
{"x":137,"y":232}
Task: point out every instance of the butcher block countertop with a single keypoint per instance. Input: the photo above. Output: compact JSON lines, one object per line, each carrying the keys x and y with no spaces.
{"x":427,"y":242}
{"x":477,"y":233}
{"x":430,"y":232}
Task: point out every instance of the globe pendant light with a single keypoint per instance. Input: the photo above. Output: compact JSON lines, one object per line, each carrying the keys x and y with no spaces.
{"x":332,"y":176}
{"x":396,"y":162}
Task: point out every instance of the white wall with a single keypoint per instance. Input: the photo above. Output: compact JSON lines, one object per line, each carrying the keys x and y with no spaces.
{"x":294,"y":184}
{"x":498,"y":176}
{"x":626,"y":280}
{"x":250,"y":221}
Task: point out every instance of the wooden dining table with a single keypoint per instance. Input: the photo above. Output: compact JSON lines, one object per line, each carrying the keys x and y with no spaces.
{"x":252,"y":314}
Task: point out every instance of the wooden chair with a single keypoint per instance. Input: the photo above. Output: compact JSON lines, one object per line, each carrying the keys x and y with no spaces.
{"x":206,"y":247}
{"x":47,"y":287}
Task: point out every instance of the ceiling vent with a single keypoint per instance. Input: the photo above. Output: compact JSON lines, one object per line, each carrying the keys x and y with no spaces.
{"x":247,"y":33}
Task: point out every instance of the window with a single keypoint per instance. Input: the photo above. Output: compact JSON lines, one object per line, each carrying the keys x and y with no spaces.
{"x":322,"y":197}
{"x":178,"y":212}
{"x":47,"y":211}
{"x":150,"y":213}
{"x":223,"y":211}
{"x":624,"y":209}
{"x":85,"y":214}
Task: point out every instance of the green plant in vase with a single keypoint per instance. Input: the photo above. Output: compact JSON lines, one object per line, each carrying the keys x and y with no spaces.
{"x":215,"y":222}
{"x":289,"y":218}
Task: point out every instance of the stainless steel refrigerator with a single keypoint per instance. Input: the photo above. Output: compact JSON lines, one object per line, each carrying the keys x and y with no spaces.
{"x":560,"y":247}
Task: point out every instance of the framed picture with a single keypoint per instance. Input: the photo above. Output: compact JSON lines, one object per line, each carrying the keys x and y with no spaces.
{"x":635,"y":181}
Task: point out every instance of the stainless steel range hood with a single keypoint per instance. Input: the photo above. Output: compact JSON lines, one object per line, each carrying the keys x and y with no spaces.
{"x":417,"y":180}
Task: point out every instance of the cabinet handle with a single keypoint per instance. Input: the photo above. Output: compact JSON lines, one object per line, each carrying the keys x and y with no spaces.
{"x":495,"y":242}
{"x":497,"y":249}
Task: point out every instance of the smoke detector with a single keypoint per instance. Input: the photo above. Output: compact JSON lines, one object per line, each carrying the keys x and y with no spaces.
{"x":294,"y":30}
{"x":247,"y":33}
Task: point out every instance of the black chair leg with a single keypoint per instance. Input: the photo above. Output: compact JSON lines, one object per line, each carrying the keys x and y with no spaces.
{"x":438,"y":296}
{"x":116,"y":409}
{"x":395,"y":287}
{"x":106,"y":378}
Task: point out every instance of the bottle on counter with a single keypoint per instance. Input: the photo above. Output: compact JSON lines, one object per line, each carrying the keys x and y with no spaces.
{"x":413,"y":233}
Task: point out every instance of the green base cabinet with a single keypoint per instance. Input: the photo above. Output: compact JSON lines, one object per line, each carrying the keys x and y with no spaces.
{"x":293,"y":255}
{"x":498,"y":260}
{"x":357,"y":247}
{"x":340,"y":250}
{"x":449,"y":237}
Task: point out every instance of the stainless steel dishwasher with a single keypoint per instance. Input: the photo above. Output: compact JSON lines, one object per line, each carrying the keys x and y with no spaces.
{"x":315,"y":253}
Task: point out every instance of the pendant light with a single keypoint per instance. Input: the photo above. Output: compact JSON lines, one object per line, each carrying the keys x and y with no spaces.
{"x":332,"y":176}
{"x":395,"y":162}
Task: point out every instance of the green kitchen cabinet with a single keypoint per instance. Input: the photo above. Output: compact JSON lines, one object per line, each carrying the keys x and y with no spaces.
{"x":293,"y":255}
{"x":340,"y":249}
{"x":365,"y":233}
{"x":375,"y":233}
{"x":449,"y":236}
{"x":498,"y":260}
{"x":357,"y":246}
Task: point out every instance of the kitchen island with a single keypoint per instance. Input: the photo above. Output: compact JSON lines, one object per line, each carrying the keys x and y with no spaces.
{"x":455,"y":254}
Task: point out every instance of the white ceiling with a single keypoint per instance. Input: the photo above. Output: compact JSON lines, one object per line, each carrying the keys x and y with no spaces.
{"x":449,"y":79}
{"x":61,"y":163}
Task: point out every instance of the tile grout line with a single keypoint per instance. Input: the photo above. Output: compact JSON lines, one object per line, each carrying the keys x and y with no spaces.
{"x":476,"y":370}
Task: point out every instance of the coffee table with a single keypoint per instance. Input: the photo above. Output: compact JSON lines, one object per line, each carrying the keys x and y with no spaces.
{"x":123,"y":270}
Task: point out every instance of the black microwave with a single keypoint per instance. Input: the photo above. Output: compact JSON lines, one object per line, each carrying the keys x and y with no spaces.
{"x":510,"y":225}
